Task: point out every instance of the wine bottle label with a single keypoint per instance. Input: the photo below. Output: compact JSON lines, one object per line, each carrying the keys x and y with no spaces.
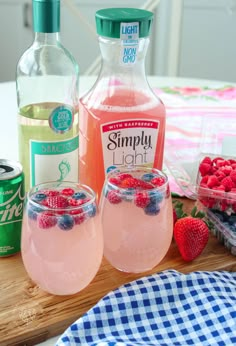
{"x":54,"y":161}
{"x":61,"y":119}
{"x":129,"y":142}
{"x":129,"y":35}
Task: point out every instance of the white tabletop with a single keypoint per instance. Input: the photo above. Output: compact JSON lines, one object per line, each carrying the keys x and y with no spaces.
{"x":8,"y":107}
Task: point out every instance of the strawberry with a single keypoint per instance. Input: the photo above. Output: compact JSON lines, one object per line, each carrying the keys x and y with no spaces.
{"x":191,"y":235}
{"x":141,"y":199}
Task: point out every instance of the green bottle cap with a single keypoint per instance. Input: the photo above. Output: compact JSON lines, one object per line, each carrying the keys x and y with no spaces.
{"x":108,"y":21}
{"x":46,"y":16}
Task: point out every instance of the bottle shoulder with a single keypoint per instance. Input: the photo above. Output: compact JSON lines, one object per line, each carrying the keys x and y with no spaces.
{"x":47,"y":59}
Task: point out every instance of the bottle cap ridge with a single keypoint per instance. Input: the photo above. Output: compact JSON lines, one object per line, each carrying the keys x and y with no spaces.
{"x":46,"y":16}
{"x":108,"y":21}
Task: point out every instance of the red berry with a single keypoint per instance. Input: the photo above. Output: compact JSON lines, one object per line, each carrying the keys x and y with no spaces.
{"x":145,"y":185}
{"x":158,"y":181}
{"x":68,"y":192}
{"x":55,"y":202}
{"x":204,"y":169}
{"x":207,"y":159}
{"x":227,"y":183}
{"x":46,"y":220}
{"x":75,"y":202}
{"x":122,"y":176}
{"x":130,"y":182}
{"x":52,"y":192}
{"x":78,"y":219}
{"x":212,"y":181}
{"x":191,"y":236}
{"x":226,"y":170}
{"x":115,"y":180}
{"x":141,"y":199}
{"x":114,"y":197}
{"x":233,"y":175}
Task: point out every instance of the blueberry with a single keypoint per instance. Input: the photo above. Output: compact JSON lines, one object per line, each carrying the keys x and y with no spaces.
{"x":152,"y":209}
{"x":38,"y":197}
{"x":32,"y":214}
{"x":90,"y":209}
{"x":79,"y":195}
{"x":232,"y":219}
{"x":155,"y":196}
{"x":65,"y":222}
{"x":148,"y":176}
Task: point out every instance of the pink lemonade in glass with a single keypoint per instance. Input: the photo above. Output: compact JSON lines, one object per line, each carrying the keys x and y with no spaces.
{"x":62,"y":241}
{"x":137,"y":218}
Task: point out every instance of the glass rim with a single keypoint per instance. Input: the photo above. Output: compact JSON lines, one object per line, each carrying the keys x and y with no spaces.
{"x":129,"y":169}
{"x":64,"y":184}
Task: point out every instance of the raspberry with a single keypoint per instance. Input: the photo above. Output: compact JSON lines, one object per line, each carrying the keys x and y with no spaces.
{"x":56,"y":202}
{"x":212,"y":181}
{"x":227,"y":183}
{"x":204,"y":180}
{"x":67,"y":192}
{"x":115,"y":180}
{"x":145,"y":185}
{"x":141,"y":199}
{"x":75,"y":202}
{"x":46,"y":220}
{"x":220,"y":174}
{"x":51,"y":192}
{"x":207,"y":159}
{"x":226,"y":170}
{"x":123,"y":176}
{"x":130,"y":182}
{"x":113,"y":197}
{"x":233,"y":175}
{"x":204,"y":169}
{"x":158,"y":181}
{"x":78,"y":219}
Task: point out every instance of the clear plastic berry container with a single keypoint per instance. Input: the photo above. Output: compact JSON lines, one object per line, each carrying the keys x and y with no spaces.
{"x":216,"y":183}
{"x":224,"y":228}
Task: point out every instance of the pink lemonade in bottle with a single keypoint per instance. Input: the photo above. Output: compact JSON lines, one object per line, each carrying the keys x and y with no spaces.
{"x":136,"y":218}
{"x":122,"y":122}
{"x":62,"y":241}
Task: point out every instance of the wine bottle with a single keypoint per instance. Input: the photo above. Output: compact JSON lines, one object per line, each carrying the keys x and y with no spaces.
{"x":47,"y":94}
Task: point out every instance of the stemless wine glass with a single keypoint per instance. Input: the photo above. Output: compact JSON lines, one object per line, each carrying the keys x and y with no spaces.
{"x":137,"y":218}
{"x":62,"y":241}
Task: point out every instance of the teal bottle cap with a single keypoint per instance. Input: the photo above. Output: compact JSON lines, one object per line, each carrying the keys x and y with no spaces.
{"x":46,"y":16}
{"x":108,"y":21}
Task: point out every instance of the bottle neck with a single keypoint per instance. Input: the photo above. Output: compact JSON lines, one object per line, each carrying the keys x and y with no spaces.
{"x":126,"y":62}
{"x":47,"y":38}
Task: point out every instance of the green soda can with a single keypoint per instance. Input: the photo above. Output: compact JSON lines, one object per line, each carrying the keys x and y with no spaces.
{"x":12,"y":193}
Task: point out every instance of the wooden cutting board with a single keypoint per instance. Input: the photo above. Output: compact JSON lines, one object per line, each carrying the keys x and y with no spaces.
{"x":29,"y":316}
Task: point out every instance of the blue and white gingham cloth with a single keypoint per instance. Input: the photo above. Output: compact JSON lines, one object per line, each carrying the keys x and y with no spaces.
{"x":164,"y":309}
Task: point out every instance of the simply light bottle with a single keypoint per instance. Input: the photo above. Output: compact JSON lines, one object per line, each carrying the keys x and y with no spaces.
{"x":47,"y":95}
{"x":122,"y":121}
